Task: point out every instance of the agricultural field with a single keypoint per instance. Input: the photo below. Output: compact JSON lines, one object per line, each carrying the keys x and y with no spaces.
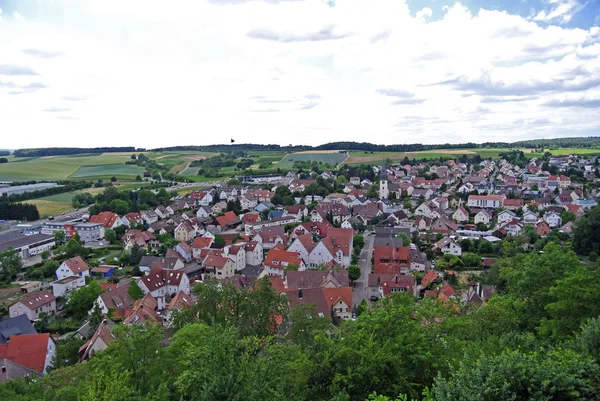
{"x":49,"y":207}
{"x":109,"y":170}
{"x":57,"y":167}
{"x":564,"y":152}
{"x":178,"y":162}
{"x":363,"y":157}
{"x":330,"y":157}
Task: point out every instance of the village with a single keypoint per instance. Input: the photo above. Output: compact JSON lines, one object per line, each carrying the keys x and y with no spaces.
{"x":337,"y":242}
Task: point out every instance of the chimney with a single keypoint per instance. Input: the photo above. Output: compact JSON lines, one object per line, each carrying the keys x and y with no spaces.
{"x":396,"y":279}
{"x":299,"y":293}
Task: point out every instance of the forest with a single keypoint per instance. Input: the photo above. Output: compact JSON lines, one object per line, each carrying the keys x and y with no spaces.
{"x":537,"y":338}
{"x":69,"y":151}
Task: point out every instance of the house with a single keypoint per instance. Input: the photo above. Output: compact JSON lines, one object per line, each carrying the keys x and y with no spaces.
{"x":530,"y":217}
{"x":391,"y":259}
{"x":103,"y":271}
{"x":513,"y":204}
{"x":271,"y":237}
{"x":303,"y":245}
{"x":254,"y":253}
{"x":64,"y":286}
{"x":132,"y":219}
{"x":99,"y":341}
{"x":115,"y":299}
{"x":448,"y":247}
{"x":506,"y":216}
{"x":417,"y":260}
{"x":460,"y":215}
{"x":34,"y":304}
{"x":162,"y":212}
{"x":203,"y":212}
{"x":295,"y":279}
{"x":483,"y":217}
{"x":277,"y":260}
{"x":299,"y":211}
{"x":32,"y":351}
{"x":72,"y":267}
{"x":218,"y":267}
{"x":486,"y":201}
{"x":178,"y":303}
{"x":553,"y":219}
{"x":107,"y":219}
{"x":15,"y":326}
{"x":149,"y":262}
{"x":228,"y":220}
{"x":330,"y":302}
{"x":161,"y":283}
{"x":381,"y":285}
{"x":336,"y":246}
{"x":219,"y":207}
{"x":237,"y":253}
{"x":144,"y":311}
{"x":542,"y":228}
{"x":513,"y":227}
{"x":149,"y":217}
{"x":185,"y":232}
{"x":429,"y":209}
{"x":198,"y":245}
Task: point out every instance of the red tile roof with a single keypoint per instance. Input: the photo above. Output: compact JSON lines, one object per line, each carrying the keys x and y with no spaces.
{"x":157,"y":278}
{"x":107,"y":219}
{"x":76,"y":265}
{"x":213,"y":260}
{"x":276,"y":257}
{"x":430,"y":277}
{"x":28,"y":350}
{"x":202,"y":242}
{"x":227,"y":218}
{"x":37,"y":299}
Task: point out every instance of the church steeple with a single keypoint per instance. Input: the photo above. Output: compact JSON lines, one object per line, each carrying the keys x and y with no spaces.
{"x":383,"y":175}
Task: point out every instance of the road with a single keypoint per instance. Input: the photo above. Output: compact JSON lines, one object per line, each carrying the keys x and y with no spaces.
{"x":364,"y":261}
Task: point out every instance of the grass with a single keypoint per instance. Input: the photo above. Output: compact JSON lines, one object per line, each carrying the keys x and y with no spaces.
{"x":564,"y":152}
{"x":108,"y":171}
{"x":50,"y":208}
{"x":287,"y":162}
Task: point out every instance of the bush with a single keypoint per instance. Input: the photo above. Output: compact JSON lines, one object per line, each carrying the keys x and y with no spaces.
{"x":593,"y":256}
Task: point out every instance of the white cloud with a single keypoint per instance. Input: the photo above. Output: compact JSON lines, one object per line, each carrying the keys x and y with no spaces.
{"x":561,"y":11}
{"x":134,"y":73}
{"x":1,"y":19}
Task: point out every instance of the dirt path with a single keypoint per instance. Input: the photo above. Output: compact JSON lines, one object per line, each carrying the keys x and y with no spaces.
{"x":186,"y":160}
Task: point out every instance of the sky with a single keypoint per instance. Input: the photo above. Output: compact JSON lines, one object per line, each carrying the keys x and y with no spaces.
{"x":146,"y":73}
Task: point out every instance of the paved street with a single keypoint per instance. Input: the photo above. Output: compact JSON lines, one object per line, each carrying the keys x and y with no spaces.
{"x":364,"y":261}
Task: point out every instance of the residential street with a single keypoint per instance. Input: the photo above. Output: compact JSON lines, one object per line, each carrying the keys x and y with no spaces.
{"x":364,"y":261}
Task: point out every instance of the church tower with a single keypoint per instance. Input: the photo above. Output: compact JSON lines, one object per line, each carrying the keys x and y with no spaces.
{"x":384,"y":192}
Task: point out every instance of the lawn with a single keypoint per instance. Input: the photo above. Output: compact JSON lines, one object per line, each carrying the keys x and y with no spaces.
{"x":50,"y":208}
{"x":108,"y":171}
{"x":333,"y":159}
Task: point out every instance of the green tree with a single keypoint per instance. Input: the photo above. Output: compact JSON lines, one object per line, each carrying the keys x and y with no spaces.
{"x":586,"y":233}
{"x":373,"y":191}
{"x":96,"y":317}
{"x":110,"y":235}
{"x":82,"y":300}
{"x":10,"y":264}
{"x":405,"y":239}
{"x":134,"y":290}
{"x":59,"y":237}
{"x":358,"y":242}
{"x":354,"y":272}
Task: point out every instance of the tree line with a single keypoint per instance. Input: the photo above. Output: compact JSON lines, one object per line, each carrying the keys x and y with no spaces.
{"x":18,"y":211}
{"x":39,"y":152}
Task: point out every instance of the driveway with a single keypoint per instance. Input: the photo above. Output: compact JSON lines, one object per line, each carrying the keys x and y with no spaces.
{"x":364,"y":261}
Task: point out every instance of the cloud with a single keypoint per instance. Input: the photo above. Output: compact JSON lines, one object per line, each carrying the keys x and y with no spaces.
{"x":380,"y":36}
{"x":425,"y":14}
{"x":402,"y":97}
{"x":66,"y":118}
{"x":42,"y":53}
{"x":582,"y":102}
{"x":562,"y":11}
{"x":1,"y":19}
{"x":56,"y":109}
{"x":225,"y":2}
{"x":16,"y":89}
{"x":16,"y":70}
{"x":74,"y":98}
{"x":319,"y":36}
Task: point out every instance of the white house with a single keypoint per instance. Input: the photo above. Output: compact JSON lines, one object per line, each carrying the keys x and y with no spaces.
{"x":448,"y":247}
{"x":237,"y":253}
{"x":218,"y":267}
{"x":483,"y":217}
{"x":505,"y":216}
{"x":553,"y":219}
{"x":64,"y":286}
{"x":254,"y":253}
{"x":161,"y":283}
{"x":72,"y":267}
{"x":530,"y":217}
{"x":460,"y":215}
{"x":34,"y":304}
{"x":486,"y":201}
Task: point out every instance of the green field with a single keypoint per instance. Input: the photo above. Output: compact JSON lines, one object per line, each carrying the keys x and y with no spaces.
{"x":565,"y":152}
{"x":108,"y":171}
{"x":333,"y":159}
{"x":50,"y":208}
